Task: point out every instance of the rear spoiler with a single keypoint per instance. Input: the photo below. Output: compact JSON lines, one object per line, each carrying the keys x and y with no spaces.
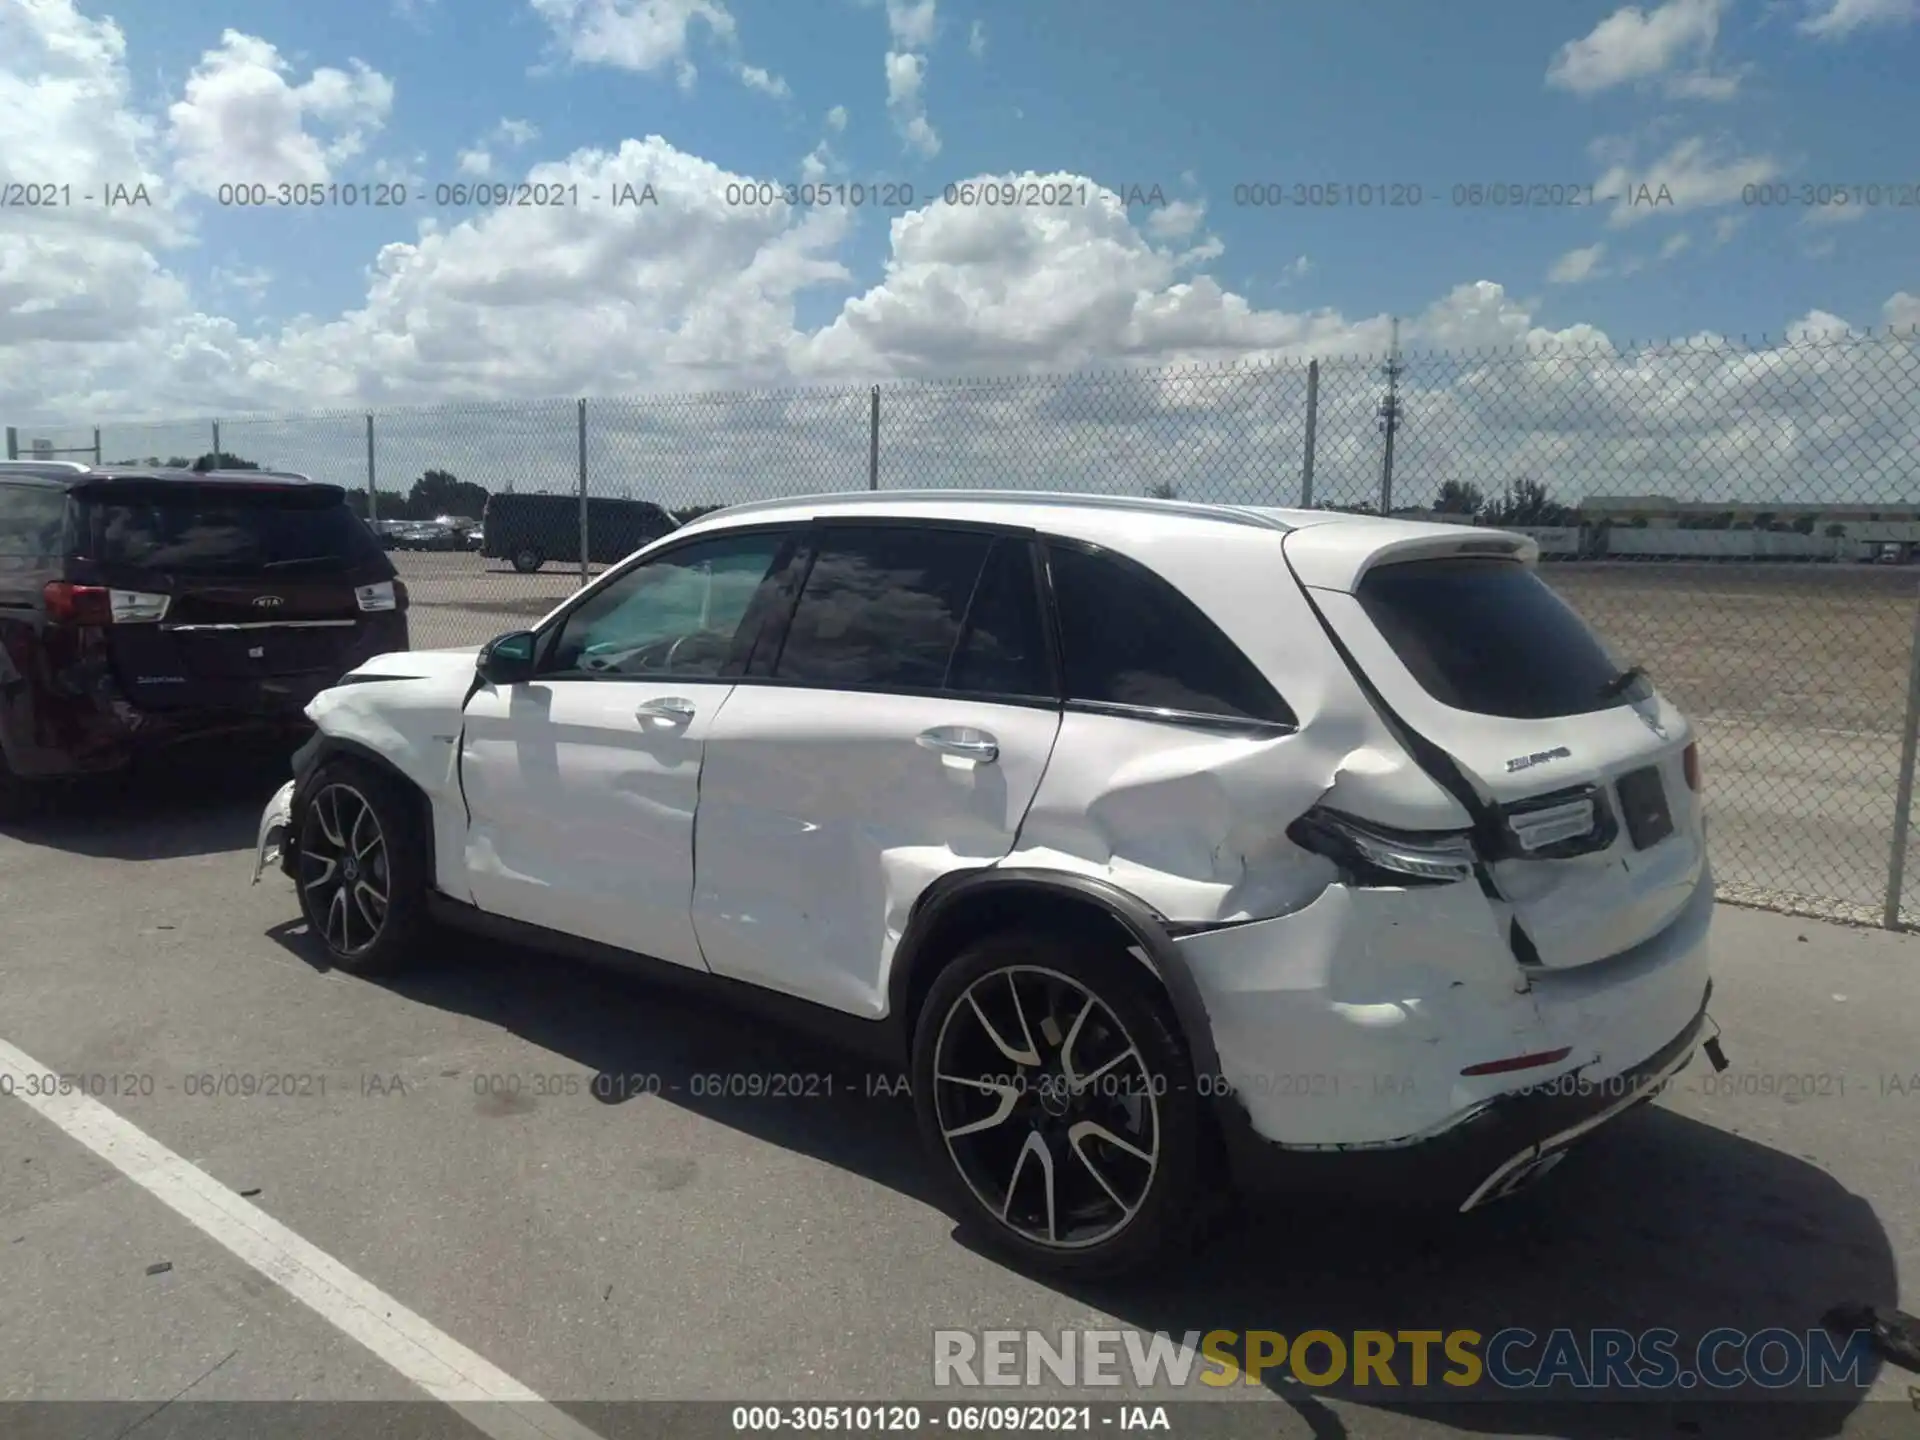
{"x":1339,"y":556}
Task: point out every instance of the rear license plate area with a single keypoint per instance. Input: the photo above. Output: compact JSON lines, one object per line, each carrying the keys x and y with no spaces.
{"x":234,"y":654}
{"x":1643,"y":806}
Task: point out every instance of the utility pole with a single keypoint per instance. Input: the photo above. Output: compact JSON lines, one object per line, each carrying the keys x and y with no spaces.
{"x":1390,"y":419}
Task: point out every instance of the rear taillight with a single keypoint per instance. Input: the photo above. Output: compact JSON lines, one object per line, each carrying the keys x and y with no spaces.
{"x":69,"y":604}
{"x":382,"y":595}
{"x":1376,"y":855}
{"x":1690,"y":763}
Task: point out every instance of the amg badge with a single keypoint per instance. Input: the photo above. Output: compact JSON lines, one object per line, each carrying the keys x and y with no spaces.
{"x":1539,"y":757}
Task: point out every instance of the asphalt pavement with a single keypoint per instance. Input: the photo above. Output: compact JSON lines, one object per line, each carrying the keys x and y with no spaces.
{"x":505,"y":1174}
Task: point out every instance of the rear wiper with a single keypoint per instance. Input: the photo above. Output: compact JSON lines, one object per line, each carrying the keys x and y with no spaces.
{"x":303,"y":560}
{"x":1623,"y":682}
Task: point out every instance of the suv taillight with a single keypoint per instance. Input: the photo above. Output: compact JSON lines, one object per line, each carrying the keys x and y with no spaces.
{"x":1370,"y":854}
{"x":69,"y":604}
{"x":1690,"y":763}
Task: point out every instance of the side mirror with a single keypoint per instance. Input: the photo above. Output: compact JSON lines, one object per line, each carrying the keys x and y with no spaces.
{"x":507,"y":659}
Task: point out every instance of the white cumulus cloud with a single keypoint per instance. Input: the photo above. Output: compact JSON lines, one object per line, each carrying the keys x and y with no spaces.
{"x":906,"y":74}
{"x":1634,"y":45}
{"x":1694,"y":174}
{"x":641,"y":35}
{"x":1577,"y":265}
{"x":1837,"y":19}
{"x":911,"y":23}
{"x":241,"y":121}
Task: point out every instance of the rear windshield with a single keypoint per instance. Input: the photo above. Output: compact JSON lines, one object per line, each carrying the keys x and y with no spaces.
{"x":1490,"y":637}
{"x":218,"y":529}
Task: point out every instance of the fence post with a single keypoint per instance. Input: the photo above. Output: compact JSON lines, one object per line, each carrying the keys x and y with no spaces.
{"x":216,"y":442}
{"x":1313,"y":424}
{"x":1903,"y":791}
{"x":873,"y":442}
{"x":373,"y":488}
{"x":13,"y":442}
{"x":584,"y":548}
{"x":96,"y":444}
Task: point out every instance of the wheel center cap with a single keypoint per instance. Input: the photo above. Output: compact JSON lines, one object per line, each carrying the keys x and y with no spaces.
{"x":1054,"y":1099}
{"x":352,"y":868}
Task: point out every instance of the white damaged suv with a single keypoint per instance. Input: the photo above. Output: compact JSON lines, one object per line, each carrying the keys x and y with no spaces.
{"x":1149,"y":837}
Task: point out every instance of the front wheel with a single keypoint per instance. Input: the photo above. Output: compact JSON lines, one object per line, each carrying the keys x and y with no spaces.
{"x":528,"y":560}
{"x":359,"y":863}
{"x":1055,"y":1094}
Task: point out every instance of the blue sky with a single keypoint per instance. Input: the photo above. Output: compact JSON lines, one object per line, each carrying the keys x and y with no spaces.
{"x":1698,"y":108}
{"x":1193,"y":98}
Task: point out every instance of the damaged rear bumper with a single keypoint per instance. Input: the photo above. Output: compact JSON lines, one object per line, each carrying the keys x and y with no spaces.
{"x":1476,"y":1158}
{"x":1360,"y":1038}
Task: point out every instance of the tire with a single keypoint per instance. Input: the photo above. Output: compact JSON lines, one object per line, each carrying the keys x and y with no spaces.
{"x":528,"y":560}
{"x":1154,"y":1181}
{"x":359,"y":935}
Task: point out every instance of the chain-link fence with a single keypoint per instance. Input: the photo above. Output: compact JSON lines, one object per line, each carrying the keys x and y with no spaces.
{"x":1739,"y":519}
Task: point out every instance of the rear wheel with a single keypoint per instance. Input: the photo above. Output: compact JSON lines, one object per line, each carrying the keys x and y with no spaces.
{"x":359,"y":864}
{"x":1056,"y":1096}
{"x":527,"y":560}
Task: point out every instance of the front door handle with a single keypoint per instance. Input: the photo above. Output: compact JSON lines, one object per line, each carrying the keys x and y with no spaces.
{"x":668,"y":707}
{"x":960,"y":740}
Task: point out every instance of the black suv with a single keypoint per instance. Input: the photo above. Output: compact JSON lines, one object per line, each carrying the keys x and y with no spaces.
{"x":532,"y":529}
{"x":141,"y":607}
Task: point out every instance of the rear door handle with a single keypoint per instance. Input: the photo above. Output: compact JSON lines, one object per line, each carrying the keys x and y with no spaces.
{"x":668,"y":707}
{"x":960,"y":740}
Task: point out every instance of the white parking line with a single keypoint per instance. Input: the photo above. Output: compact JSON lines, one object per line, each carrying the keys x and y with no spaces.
{"x":485,"y":1396}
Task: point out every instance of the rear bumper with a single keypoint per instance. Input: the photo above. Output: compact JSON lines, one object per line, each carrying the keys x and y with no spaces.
{"x":1478,"y":1157}
{"x":1348,"y":1034}
{"x":111,"y":740}
{"x":81,"y":720}
{"x":276,"y":822}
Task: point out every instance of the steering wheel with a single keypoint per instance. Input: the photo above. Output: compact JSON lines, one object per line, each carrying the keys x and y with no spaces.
{"x":673,"y":650}
{"x":657,"y":657}
{"x":653,"y":658}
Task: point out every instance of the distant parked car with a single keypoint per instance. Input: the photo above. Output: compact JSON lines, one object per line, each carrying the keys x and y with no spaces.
{"x":427,"y":535}
{"x":530,"y":530}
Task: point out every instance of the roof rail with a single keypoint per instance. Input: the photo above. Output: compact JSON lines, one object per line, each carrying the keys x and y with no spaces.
{"x":69,"y":467}
{"x":860,"y":499}
{"x":261,"y":474}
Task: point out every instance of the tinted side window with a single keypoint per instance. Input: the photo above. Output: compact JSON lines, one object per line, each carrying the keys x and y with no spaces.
{"x":1130,"y":638}
{"x":32,"y":521}
{"x":1003,"y":650}
{"x":882,"y":606}
{"x":676,"y":616}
